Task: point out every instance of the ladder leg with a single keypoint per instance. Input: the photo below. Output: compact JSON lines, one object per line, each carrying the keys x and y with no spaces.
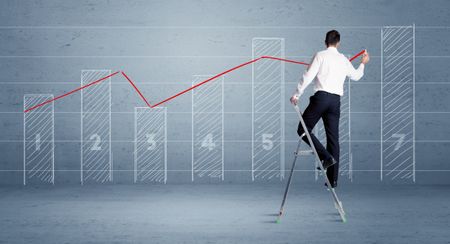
{"x":338,"y":204}
{"x":288,"y":183}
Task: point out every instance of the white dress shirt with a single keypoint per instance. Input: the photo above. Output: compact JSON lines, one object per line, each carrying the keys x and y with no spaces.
{"x":330,"y":68}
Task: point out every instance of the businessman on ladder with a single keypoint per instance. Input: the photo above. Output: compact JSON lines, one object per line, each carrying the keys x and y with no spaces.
{"x":329,"y":68}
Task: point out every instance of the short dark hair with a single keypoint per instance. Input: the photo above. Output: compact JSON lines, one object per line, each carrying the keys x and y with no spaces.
{"x":332,"y":38}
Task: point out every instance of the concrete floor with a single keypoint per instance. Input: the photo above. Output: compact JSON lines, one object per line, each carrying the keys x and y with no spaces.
{"x":222,"y":214}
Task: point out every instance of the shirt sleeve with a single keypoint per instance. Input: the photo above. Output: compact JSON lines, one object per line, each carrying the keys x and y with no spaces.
{"x":308,"y":76}
{"x":355,"y":74}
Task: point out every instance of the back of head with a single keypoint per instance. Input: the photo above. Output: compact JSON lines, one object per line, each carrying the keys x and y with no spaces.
{"x":332,"y":38}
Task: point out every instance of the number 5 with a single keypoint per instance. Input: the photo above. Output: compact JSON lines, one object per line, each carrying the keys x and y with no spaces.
{"x":267,"y":142}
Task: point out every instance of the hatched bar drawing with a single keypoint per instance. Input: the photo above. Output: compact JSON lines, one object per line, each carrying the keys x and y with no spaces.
{"x":39,"y":143}
{"x":96,"y":158}
{"x":207,"y":129}
{"x":345,"y":155}
{"x":150,"y":146}
{"x":398,"y":104}
{"x":268,"y":110}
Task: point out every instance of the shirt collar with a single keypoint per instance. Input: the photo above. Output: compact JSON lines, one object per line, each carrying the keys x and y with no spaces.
{"x":332,"y":49}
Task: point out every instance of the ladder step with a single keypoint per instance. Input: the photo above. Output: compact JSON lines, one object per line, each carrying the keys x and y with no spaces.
{"x":305,"y":152}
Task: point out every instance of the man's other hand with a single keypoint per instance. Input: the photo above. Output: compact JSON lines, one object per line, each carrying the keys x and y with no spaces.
{"x":365,"y":57}
{"x":294,"y":100}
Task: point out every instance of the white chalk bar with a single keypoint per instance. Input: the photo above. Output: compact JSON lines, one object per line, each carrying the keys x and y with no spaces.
{"x":207,"y":129}
{"x":268,"y":110}
{"x":39,"y":143}
{"x":96,"y":161}
{"x":150,"y":147}
{"x":397,"y":93}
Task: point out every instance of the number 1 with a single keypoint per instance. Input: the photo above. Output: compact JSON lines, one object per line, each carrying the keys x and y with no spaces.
{"x":38,"y":142}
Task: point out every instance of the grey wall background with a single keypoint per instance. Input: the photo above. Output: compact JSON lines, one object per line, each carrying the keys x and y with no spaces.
{"x":161,"y":44}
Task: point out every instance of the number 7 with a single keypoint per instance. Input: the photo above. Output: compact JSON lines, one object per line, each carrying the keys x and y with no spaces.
{"x":401,"y":139}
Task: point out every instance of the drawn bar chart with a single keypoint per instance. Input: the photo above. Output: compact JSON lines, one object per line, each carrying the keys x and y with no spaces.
{"x":268,"y":110}
{"x":398,"y":104}
{"x":38,"y":141}
{"x":150,"y":145}
{"x":267,"y":118}
{"x":96,"y":160}
{"x":207,"y":129}
{"x":95,"y":82}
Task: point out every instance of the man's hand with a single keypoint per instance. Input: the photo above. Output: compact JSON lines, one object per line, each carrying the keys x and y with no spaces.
{"x":294,"y":100}
{"x":365,"y":57}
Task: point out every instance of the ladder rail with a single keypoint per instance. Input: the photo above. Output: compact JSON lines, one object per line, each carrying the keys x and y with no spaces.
{"x":313,"y":147}
{"x":337,"y":203}
{"x":289,"y":181}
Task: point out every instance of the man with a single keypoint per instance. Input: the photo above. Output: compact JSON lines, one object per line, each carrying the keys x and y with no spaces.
{"x":330,"y":68}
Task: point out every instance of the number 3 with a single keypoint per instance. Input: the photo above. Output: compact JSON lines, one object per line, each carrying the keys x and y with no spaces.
{"x":151,"y":141}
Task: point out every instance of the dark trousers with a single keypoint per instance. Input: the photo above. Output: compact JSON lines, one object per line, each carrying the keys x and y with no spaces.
{"x":328,"y":107}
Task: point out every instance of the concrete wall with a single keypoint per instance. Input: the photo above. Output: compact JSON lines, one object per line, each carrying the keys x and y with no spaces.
{"x":45,"y":44}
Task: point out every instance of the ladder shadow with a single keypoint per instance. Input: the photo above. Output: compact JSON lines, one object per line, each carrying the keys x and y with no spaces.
{"x":272,"y":219}
{"x":269,"y":222}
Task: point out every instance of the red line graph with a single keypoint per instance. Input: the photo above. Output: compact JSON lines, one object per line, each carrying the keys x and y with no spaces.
{"x":178,"y":94}
{"x":75,"y":90}
{"x":357,"y":55}
{"x":137,"y":90}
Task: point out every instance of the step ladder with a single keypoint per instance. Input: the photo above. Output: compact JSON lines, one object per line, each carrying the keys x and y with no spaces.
{"x":337,"y":203}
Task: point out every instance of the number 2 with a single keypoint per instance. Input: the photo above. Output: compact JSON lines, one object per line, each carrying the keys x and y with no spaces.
{"x":97,"y":140}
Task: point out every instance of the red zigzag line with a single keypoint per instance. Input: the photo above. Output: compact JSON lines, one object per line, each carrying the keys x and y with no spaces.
{"x":178,"y":94}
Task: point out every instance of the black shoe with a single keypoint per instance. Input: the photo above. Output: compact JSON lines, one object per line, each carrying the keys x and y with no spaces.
{"x":327,"y":163}
{"x":333,"y":184}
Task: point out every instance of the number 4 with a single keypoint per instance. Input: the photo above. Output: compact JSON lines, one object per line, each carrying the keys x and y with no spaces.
{"x":208,"y":142}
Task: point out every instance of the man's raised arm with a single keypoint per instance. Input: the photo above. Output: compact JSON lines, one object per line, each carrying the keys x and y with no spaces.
{"x":356,"y":74}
